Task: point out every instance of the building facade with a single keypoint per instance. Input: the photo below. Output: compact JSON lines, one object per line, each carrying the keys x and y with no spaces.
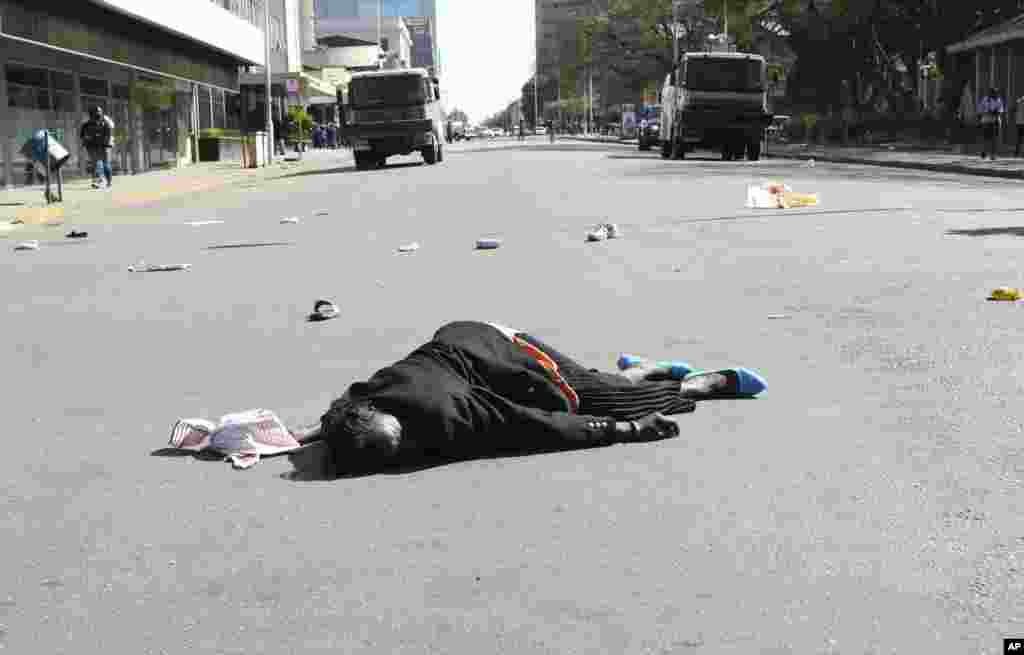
{"x":162,"y":71}
{"x":420,"y":16}
{"x":396,"y":41}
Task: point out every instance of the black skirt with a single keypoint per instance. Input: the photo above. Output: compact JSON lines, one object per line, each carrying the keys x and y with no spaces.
{"x":614,"y":395}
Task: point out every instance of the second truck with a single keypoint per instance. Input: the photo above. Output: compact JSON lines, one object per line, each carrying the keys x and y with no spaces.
{"x":715,"y":100}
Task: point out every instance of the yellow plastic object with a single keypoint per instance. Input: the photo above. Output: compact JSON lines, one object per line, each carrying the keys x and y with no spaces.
{"x":1005,"y":293}
{"x":792,"y":199}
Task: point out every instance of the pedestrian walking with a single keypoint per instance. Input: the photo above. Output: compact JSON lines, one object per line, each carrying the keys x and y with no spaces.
{"x":1018,"y":119}
{"x":332,"y":136}
{"x":522,"y":130}
{"x":478,"y":389}
{"x":279,"y":139}
{"x":97,"y":135}
{"x":991,"y":110}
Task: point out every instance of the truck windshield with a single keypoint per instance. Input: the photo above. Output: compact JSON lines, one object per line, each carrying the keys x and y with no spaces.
{"x":738,"y":75}
{"x":387,"y":90}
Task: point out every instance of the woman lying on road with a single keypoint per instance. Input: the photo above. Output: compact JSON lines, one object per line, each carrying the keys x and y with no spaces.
{"x":480,"y":388}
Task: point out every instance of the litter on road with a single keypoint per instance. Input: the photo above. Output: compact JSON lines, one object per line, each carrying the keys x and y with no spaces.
{"x":202,"y":223}
{"x":27,"y":245}
{"x":776,"y":195}
{"x":242,"y":437}
{"x":604,"y":231}
{"x":1005,"y":294}
{"x":157,"y":268}
{"x":322,"y":212}
{"x":409,"y":247}
{"x":77,"y":234}
{"x":488,"y":244}
{"x":324,"y":310}
{"x":291,"y":220}
{"x":778,"y":317}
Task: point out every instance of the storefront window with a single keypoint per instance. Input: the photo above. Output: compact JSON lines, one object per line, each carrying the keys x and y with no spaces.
{"x":88,"y":102}
{"x":93,"y":87}
{"x":218,"y":109}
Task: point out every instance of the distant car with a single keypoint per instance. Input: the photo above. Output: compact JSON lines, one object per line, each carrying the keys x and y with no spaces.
{"x":648,"y":136}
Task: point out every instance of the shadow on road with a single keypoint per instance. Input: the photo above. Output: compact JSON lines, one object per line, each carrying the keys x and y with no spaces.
{"x":988,"y":232}
{"x":349,"y":169}
{"x":264,"y":244}
{"x":312,"y":463}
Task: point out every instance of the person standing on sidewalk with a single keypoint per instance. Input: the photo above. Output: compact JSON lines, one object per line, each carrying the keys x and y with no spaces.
{"x":97,"y":135}
{"x":991,"y":110}
{"x":1018,"y":117}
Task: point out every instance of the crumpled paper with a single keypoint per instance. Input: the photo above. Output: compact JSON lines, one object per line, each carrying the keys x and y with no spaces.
{"x":242,"y":437}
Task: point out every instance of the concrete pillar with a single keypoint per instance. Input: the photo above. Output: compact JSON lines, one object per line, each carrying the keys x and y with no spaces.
{"x":76,"y":102}
{"x":6,"y":133}
{"x":137,"y":134}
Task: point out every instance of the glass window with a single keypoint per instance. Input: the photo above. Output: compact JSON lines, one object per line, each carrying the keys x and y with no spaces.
{"x":63,"y":101}
{"x":390,"y":90}
{"x":88,"y":102}
{"x":27,"y":97}
{"x":27,"y":76}
{"x":121,"y":91}
{"x":709,"y":74}
{"x":62,"y":81}
{"x":94,"y":87}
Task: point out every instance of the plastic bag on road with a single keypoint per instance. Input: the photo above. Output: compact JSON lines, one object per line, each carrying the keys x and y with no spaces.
{"x":776,"y":195}
{"x":242,"y":437}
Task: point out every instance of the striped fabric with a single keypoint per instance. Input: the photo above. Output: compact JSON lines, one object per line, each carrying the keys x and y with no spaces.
{"x":613,"y":395}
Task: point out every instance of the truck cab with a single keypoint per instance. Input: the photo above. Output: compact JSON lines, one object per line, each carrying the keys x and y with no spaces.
{"x":394,"y":112}
{"x":715,"y":100}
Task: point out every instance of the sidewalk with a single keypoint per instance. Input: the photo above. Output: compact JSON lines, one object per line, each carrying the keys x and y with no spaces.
{"x":83,"y":204}
{"x":941,"y":159}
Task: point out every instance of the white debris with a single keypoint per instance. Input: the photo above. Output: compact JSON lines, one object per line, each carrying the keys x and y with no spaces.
{"x":27,"y":245}
{"x":409,"y":247}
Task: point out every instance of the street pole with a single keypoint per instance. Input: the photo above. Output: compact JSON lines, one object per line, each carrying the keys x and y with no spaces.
{"x":725,"y":15}
{"x":380,"y":32}
{"x":266,"y":70}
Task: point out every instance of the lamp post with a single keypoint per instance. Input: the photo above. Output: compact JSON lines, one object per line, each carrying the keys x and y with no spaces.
{"x":266,"y":70}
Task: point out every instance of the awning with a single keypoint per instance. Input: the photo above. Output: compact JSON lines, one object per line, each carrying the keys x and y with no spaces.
{"x":313,"y":87}
{"x":1011,"y":30}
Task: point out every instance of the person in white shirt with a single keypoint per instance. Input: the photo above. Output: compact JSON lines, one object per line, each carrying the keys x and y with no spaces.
{"x":990,"y":111}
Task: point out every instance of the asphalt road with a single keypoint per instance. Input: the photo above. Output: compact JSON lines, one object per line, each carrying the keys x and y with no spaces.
{"x":869,"y":502}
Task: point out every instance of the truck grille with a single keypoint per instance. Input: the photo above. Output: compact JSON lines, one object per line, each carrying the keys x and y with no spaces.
{"x":389,"y":115}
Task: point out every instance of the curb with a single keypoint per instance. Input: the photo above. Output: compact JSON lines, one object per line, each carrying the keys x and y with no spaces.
{"x":906,"y":165}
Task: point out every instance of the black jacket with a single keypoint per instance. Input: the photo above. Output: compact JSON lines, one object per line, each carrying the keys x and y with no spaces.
{"x":471,"y":389}
{"x":95,"y":133}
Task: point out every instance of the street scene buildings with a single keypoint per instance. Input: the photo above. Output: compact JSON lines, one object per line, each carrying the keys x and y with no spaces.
{"x":705,"y":341}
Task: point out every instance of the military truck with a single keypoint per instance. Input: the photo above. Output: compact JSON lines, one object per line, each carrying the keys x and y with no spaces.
{"x":394,"y":112}
{"x":715,"y":100}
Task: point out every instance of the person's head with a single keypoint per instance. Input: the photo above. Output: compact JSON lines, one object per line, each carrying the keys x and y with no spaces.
{"x":96,"y":112}
{"x":993,"y":92}
{"x":359,"y":434}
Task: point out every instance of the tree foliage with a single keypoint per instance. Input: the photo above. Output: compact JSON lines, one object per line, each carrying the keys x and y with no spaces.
{"x":456,"y":115}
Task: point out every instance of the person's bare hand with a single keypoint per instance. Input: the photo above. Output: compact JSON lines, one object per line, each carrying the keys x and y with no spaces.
{"x":656,"y":426}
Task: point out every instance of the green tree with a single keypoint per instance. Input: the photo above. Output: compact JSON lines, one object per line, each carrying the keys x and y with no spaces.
{"x":457,"y":115}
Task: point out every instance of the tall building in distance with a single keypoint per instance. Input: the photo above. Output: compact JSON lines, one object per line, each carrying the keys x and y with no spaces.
{"x":334,"y":17}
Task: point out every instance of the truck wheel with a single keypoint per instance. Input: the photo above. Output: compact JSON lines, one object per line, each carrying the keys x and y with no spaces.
{"x":362,"y":161}
{"x":430,"y":154}
{"x":666,"y":149}
{"x":727,"y":151}
{"x":440,"y":153}
{"x":754,"y":150}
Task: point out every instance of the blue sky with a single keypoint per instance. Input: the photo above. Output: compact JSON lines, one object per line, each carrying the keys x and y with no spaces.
{"x":486,"y":52}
